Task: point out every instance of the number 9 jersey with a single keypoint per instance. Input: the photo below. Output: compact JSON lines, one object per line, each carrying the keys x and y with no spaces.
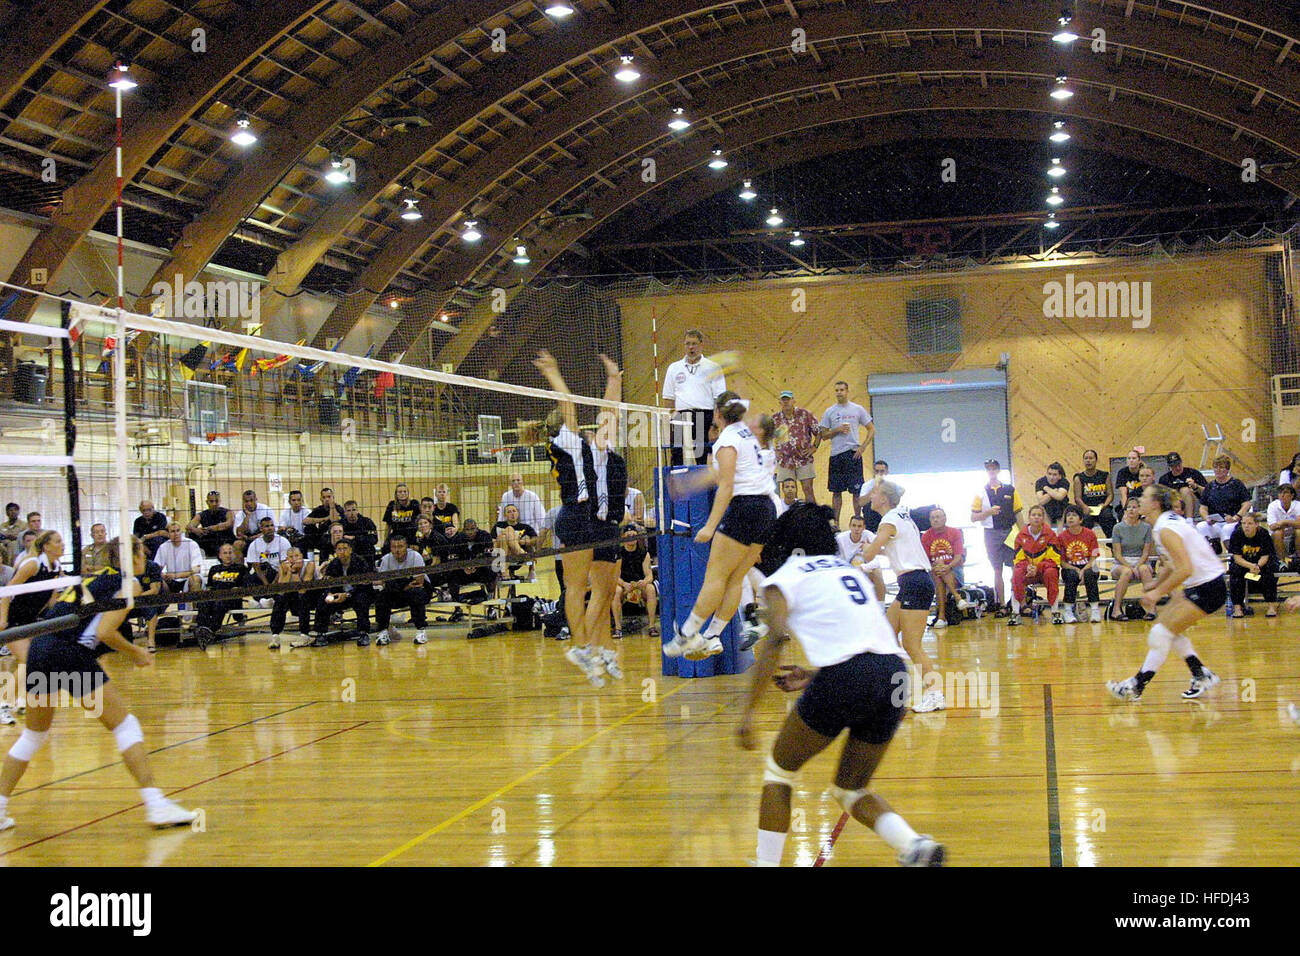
{"x":833,"y":611}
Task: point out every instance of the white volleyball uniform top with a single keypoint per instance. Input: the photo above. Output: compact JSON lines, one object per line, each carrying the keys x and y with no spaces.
{"x":753,"y":475}
{"x":849,"y":548}
{"x":833,"y":611}
{"x":905,"y":551}
{"x":1205,"y":563}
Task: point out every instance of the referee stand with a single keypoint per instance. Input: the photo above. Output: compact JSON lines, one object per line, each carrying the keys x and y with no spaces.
{"x":681,"y":575}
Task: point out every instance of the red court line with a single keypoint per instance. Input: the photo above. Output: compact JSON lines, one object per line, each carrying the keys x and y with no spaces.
{"x":198,"y":783}
{"x":830,"y":844}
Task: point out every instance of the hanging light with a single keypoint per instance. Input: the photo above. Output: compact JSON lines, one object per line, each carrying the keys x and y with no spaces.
{"x":392,"y":303}
{"x":471,"y":233}
{"x":679,"y":121}
{"x":119,"y":78}
{"x":1056,"y":170}
{"x":797,"y":241}
{"x":337,"y":175}
{"x":411,"y":213}
{"x":521,"y":256}
{"x":1051,"y":222}
{"x":1065,"y":34}
{"x":717,"y":162}
{"x":243,"y":134}
{"x":627,"y":73}
{"x":560,"y":11}
{"x":748,"y":193}
{"x":1060,"y":135}
{"x":1055,"y":199}
{"x":1062,"y":92}
{"x":774,"y":219}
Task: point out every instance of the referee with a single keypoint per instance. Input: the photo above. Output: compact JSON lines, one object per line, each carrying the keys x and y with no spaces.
{"x":692,"y":383}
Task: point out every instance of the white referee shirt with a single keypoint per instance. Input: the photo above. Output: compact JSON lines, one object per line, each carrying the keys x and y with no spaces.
{"x":689,"y":385}
{"x":833,"y":611}
{"x":905,"y":551}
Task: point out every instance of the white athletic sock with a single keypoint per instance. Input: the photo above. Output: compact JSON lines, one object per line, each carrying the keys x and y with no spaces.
{"x":692,"y":625}
{"x":771,"y":845}
{"x":1015,"y":606}
{"x":4,"y":805}
{"x":894,"y":830}
{"x":1182,"y":646}
{"x":151,"y":796}
{"x":716,"y":627}
{"x":1093,"y":605}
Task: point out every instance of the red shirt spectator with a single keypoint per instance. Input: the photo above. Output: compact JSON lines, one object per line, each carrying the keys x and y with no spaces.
{"x":1077,"y":548}
{"x":800,"y":426}
{"x":946,"y":543}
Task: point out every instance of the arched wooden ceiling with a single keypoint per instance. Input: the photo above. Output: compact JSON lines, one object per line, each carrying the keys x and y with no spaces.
{"x":507,"y":136}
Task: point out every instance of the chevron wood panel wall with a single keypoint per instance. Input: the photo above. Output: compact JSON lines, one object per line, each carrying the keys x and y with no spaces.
{"x":1074,"y":383}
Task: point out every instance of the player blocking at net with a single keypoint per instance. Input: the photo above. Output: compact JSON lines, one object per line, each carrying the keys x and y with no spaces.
{"x":858,"y":682}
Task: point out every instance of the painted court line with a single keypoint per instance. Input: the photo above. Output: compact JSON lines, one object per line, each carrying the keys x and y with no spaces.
{"x":1053,"y":797}
{"x":825,"y":854}
{"x":539,"y":769}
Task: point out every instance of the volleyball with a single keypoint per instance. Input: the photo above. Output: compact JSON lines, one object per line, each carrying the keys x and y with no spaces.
{"x":728,"y":364}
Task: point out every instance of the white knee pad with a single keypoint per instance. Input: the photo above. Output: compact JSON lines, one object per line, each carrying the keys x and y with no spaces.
{"x":128,"y":733}
{"x":28,"y":745}
{"x":775,"y":773}
{"x":848,"y":799}
{"x":1160,"y":638}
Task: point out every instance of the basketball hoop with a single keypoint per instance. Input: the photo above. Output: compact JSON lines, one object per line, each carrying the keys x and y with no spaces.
{"x":213,"y":436}
{"x":502,"y":454}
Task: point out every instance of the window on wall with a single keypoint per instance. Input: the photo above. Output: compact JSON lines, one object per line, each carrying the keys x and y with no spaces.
{"x":933,"y":325}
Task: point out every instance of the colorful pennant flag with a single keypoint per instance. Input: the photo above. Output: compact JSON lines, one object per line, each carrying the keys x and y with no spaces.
{"x":192,"y":359}
{"x":268,"y":364}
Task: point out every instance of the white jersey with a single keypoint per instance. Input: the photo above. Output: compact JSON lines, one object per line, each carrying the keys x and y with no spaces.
{"x":273,"y":552}
{"x":753,"y":477}
{"x":905,"y":551}
{"x":850,"y":548}
{"x":833,"y":611}
{"x":691,"y":386}
{"x":293,"y":519}
{"x":1205,"y":563}
{"x":1277,"y":513}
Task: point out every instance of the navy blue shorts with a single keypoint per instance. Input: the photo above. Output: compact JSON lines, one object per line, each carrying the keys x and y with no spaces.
{"x":916,"y":590}
{"x":56,"y":661}
{"x":576,"y":525}
{"x":1211,"y":596}
{"x":607,"y":531}
{"x":748,"y":519}
{"x":845,"y":473}
{"x":867,"y":694}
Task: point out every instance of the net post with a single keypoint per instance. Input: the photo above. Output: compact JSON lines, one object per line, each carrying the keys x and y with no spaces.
{"x":70,"y":435}
{"x":119,"y":411}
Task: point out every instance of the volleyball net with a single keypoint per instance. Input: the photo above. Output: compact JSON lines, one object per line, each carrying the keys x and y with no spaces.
{"x":117,"y":414}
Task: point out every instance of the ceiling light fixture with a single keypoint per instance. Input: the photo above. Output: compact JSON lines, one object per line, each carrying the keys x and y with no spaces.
{"x":471,"y":233}
{"x":521,"y":256}
{"x":747,"y":193}
{"x":774,"y":219}
{"x":412,"y":212}
{"x":679,"y":121}
{"x":560,"y":11}
{"x":119,"y":78}
{"x":336,"y":175}
{"x":1060,"y":135}
{"x":243,"y":134}
{"x":797,"y":241}
{"x":1055,"y":199}
{"x":1051,"y":222}
{"x":717,"y":162}
{"x":627,"y":72}
{"x":1065,"y":34}
{"x":1056,"y":169}
{"x":1062,"y":92}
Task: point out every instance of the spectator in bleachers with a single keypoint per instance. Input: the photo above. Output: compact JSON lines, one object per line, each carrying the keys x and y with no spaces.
{"x":293,"y":520}
{"x":10,"y":529}
{"x":789,"y":489}
{"x":997,"y":509}
{"x":400,"y":515}
{"x":1079,"y":554}
{"x":266,"y":552}
{"x":1283,"y":520}
{"x":946,"y":548}
{"x":248,"y":522}
{"x":879,"y":472}
{"x":316,"y":526}
{"x":25,"y":539}
{"x":444,"y":510}
{"x":151,"y":583}
{"x":798,"y":439}
{"x":359,"y":597}
{"x":412,"y":592}
{"x":1053,"y":493}
{"x":852,"y":543}
{"x":181,"y":560}
{"x":1133,"y":546}
{"x":633,"y":506}
{"x":1189,"y":484}
{"x":150,"y":527}
{"x":1127,"y":479}
{"x":530,"y":507}
{"x":1291,"y":472}
{"x":213,"y":526}
{"x":295,"y":568}
{"x":429,"y":539}
{"x":1223,"y":502}
{"x":1038,"y":560}
{"x":515,"y":537}
{"x":329,"y":543}
{"x":1146,"y":478}
{"x":840,"y":424}
{"x":1251,"y":565}
{"x":95,"y":556}
{"x":34,"y":522}
{"x":226,"y":575}
{"x":470,"y":543}
{"x":360,"y":531}
{"x":1094,"y":494}
{"x":636,"y":581}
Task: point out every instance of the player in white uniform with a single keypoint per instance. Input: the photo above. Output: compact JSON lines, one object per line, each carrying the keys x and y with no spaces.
{"x":852,"y":542}
{"x":737,"y":526}
{"x":900,"y":540}
{"x":856,"y":681}
{"x":1194,"y":579}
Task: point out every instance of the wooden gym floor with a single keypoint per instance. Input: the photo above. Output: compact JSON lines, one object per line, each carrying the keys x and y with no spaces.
{"x":496,"y":752}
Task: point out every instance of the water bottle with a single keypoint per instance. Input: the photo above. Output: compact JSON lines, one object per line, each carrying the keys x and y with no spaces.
{"x":1227,"y":606}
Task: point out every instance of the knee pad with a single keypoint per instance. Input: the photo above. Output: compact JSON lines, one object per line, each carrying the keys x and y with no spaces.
{"x":28,"y":745}
{"x":128,"y":733}
{"x":848,"y":799}
{"x":775,"y":773}
{"x":1160,"y":638}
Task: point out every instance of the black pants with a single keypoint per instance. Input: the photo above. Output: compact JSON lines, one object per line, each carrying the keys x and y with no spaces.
{"x":210,"y":614}
{"x":1106,"y":521}
{"x":701,"y":419}
{"x":1237,"y":583}
{"x":484,"y":577}
{"x":1071,"y":578}
{"x":359,"y":599}
{"x":413,"y":598}
{"x":301,"y":605}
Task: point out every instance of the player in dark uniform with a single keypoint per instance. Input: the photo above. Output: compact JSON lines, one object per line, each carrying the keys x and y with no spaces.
{"x":66,"y":659}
